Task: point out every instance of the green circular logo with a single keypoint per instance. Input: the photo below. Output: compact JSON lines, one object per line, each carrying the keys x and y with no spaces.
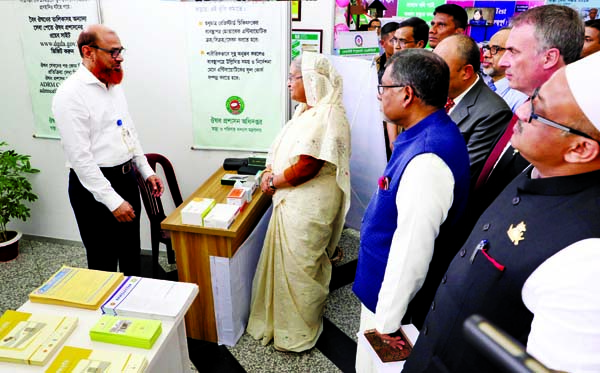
{"x":235,"y":105}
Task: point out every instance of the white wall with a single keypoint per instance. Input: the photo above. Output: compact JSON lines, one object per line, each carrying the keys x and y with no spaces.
{"x":156,"y":85}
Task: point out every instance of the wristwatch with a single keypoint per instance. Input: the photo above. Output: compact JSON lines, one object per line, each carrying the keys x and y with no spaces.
{"x":271,"y":186}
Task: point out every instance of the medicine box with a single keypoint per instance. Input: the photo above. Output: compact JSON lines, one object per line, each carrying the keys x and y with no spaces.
{"x":196,"y":210}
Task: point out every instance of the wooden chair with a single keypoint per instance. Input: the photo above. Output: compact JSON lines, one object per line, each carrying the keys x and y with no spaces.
{"x":154,"y":207}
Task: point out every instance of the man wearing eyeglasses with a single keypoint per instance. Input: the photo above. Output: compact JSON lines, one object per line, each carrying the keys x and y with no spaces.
{"x":407,"y":231}
{"x":411,"y":33}
{"x":492,"y":53}
{"x":530,"y":265}
{"x":101,"y":146}
{"x":542,"y":40}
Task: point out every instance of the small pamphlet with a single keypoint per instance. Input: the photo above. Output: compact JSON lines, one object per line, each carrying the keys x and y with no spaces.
{"x":28,"y":338}
{"x":77,"y":287}
{"x":388,"y":359}
{"x":150,"y":298}
{"x":127,"y":331}
{"x":82,"y":360}
{"x":221,"y":216}
{"x":196,"y":210}
{"x":230,"y":179}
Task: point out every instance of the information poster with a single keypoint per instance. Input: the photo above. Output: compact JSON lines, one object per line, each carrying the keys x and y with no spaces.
{"x":49,"y":33}
{"x":238,"y":73}
{"x":364,"y":44}
{"x":418,"y":8}
{"x":306,"y":40}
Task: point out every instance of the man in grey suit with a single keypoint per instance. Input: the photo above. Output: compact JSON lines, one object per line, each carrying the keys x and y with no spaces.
{"x":480,"y":114}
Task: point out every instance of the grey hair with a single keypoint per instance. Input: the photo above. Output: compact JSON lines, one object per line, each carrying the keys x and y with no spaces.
{"x":556,"y":26}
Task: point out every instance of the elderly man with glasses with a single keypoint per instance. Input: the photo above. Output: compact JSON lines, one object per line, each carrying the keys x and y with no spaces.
{"x":101,"y":146}
{"x":407,"y":231}
{"x":530,"y":265}
{"x":492,"y":53}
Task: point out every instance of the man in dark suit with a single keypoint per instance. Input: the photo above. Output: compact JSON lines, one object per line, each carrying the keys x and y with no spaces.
{"x":542,"y":40}
{"x":480,"y":114}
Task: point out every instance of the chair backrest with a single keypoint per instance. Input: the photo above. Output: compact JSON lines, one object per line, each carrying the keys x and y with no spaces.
{"x":153,"y":205}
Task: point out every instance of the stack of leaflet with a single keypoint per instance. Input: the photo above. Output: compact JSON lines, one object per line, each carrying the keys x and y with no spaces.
{"x":150,"y":298}
{"x":126,"y":331}
{"x":77,"y":287}
{"x":83,"y":360}
{"x":221,"y":216}
{"x":196,"y":210}
{"x":32,"y":338}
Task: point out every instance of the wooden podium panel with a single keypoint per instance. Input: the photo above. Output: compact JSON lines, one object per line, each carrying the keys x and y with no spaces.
{"x":194,"y":245}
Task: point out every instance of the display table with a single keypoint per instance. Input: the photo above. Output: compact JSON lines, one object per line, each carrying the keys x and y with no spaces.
{"x":194,"y":246}
{"x":169,"y":353}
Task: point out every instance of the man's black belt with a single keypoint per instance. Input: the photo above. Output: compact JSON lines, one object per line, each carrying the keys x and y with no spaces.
{"x":124,"y":168}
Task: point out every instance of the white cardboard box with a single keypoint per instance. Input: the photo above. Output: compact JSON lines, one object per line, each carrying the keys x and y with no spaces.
{"x":196,"y":210}
{"x":221,"y":216}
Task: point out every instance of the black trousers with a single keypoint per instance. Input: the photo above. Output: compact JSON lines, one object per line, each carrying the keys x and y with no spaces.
{"x":106,"y":240}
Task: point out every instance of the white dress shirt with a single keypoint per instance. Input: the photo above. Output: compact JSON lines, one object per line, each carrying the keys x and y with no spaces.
{"x":96,"y":131}
{"x":563,"y":294}
{"x":424,"y":197}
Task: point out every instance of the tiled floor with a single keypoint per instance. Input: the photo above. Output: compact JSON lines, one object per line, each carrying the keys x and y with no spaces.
{"x":40,"y":259}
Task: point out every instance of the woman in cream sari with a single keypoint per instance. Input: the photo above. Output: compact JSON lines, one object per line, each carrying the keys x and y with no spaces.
{"x":308,"y":176}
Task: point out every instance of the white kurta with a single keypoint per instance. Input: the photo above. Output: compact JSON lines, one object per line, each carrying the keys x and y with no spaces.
{"x":563,"y":294}
{"x":424,"y":197}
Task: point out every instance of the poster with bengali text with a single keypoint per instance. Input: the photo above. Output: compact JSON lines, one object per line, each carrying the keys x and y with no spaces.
{"x":418,"y":8}
{"x":238,"y":65}
{"x":49,"y":31}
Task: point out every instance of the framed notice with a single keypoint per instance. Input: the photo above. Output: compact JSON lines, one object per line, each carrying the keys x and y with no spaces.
{"x":296,"y":16}
{"x":306,"y":40}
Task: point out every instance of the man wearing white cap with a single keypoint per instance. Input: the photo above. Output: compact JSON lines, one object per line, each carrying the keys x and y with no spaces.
{"x":530,"y":264}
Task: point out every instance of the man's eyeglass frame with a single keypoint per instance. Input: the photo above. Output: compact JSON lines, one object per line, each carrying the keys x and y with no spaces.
{"x":494,"y":49}
{"x":114,"y":53}
{"x":551,"y":123}
{"x":380,"y":87}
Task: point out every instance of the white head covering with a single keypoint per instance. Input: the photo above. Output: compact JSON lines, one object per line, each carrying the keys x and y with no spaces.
{"x":583,"y":78}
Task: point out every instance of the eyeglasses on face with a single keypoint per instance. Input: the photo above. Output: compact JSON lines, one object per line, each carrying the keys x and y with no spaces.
{"x":115,"y":53}
{"x":494,"y":49}
{"x":381,"y":88}
{"x":293,"y":78}
{"x":401,"y":42}
{"x":551,"y":123}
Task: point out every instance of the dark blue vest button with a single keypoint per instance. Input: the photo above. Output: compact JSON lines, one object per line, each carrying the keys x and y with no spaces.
{"x":463,"y":252}
{"x":433,"y":305}
{"x":486,"y":227}
{"x":444,"y":279}
{"x":516,"y":200}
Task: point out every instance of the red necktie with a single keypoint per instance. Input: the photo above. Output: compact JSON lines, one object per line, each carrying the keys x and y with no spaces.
{"x":496,"y":153}
{"x":449,"y":105}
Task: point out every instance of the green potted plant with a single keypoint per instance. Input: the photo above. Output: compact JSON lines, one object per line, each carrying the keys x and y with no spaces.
{"x":15,"y":189}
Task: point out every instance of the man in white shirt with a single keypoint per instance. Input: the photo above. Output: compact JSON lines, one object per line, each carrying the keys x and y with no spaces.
{"x":407,"y":231}
{"x":101,"y":147}
{"x":492,"y":53}
{"x":530,"y":265}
